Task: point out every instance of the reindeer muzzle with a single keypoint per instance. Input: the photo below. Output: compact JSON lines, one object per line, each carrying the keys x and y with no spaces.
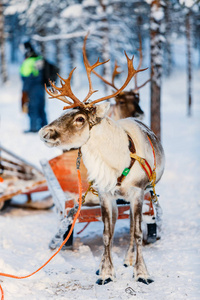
{"x":49,"y":136}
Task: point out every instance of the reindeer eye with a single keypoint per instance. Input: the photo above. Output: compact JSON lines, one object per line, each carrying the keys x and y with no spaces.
{"x":121,"y":102}
{"x":80,"y":120}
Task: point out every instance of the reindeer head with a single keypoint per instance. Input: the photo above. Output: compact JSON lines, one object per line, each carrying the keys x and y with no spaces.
{"x":72,"y":129}
{"x":127,"y":105}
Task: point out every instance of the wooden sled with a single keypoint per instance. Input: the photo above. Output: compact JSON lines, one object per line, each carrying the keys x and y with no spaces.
{"x":21,"y":177}
{"x":63,"y":181}
{"x":17,"y":176}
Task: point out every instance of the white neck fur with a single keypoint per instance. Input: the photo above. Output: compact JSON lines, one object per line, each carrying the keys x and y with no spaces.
{"x":106,"y":154}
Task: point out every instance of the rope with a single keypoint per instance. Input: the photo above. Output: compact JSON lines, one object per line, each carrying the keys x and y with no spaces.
{"x":83,"y":228}
{"x":66,"y":239}
{"x":2,"y":293}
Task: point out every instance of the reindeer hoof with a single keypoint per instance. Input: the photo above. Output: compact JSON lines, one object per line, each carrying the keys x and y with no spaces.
{"x":145,"y":281}
{"x":102,"y":282}
{"x":98,"y":272}
{"x":149,"y":280}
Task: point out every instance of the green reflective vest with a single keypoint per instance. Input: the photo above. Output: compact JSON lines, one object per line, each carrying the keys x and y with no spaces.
{"x":28,"y":67}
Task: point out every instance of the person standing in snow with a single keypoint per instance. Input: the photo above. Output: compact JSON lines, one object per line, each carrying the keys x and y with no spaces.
{"x":33,"y":96}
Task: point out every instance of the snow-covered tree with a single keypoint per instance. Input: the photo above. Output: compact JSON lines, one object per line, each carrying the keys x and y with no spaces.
{"x":3,"y":69}
{"x":58,"y":27}
{"x":191,"y":8}
{"x":156,"y":36}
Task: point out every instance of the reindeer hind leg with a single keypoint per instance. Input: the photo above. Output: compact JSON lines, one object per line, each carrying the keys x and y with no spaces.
{"x":140,"y":270}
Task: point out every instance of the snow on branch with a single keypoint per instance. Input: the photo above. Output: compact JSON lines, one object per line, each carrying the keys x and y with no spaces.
{"x":72,"y":11}
{"x":53,"y":37}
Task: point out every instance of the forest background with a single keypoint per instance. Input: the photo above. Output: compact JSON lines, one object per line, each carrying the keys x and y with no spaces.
{"x":170,"y":33}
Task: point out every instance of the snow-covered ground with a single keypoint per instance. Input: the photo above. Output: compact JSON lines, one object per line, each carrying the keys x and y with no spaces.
{"x":173,"y":261}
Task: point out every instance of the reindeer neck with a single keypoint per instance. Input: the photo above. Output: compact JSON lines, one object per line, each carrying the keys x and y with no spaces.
{"x":106,"y":153}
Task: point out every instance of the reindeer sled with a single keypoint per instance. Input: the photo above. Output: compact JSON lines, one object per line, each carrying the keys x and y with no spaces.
{"x":124,"y":160}
{"x":126,"y":105}
{"x":61,"y":176}
{"x":21,"y":177}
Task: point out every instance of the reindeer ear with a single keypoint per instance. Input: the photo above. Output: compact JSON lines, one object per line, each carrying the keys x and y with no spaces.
{"x":102,"y":109}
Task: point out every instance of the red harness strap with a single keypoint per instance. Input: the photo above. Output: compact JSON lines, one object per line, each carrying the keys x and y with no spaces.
{"x":153,"y":152}
{"x":143,"y":162}
{"x":145,"y":165}
{"x":150,"y":173}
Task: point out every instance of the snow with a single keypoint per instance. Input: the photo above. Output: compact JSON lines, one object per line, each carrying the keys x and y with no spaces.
{"x":73,"y":11}
{"x":173,"y":261}
{"x":87,"y":3}
{"x":188,"y":3}
{"x":53,"y":37}
{"x":157,"y":13}
{"x":16,"y":8}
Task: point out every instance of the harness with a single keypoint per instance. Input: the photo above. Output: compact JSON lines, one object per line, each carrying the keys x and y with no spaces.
{"x":127,"y":170}
{"x":151,"y":174}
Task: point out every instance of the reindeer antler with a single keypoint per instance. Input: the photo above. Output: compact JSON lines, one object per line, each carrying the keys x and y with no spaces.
{"x":131,"y":73}
{"x":65,"y":90}
{"x":115,"y":72}
{"x":139,"y":66}
{"x":89,"y":69}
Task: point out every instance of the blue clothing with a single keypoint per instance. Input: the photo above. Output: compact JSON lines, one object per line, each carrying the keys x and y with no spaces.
{"x":32,"y":76}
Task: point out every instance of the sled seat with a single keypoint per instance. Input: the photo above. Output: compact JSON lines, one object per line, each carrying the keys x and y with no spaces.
{"x":64,"y":168}
{"x":66,"y":175}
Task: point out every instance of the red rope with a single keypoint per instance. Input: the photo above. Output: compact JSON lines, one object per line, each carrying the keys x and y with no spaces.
{"x":66,"y":239}
{"x":154,"y":155}
{"x":83,"y":228}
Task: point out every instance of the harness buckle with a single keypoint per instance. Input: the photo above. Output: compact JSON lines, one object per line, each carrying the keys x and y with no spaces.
{"x":126,"y":171}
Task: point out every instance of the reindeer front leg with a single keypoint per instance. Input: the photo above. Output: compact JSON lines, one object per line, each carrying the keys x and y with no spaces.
{"x":109,"y":216}
{"x":140,"y":270}
{"x":129,"y":258}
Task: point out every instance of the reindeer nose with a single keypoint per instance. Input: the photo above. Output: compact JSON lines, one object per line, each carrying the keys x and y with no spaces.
{"x":43,"y":132}
{"x":48,"y":133}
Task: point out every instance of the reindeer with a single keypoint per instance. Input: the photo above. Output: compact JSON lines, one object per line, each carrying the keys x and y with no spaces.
{"x":126,"y":102}
{"x":108,"y":148}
